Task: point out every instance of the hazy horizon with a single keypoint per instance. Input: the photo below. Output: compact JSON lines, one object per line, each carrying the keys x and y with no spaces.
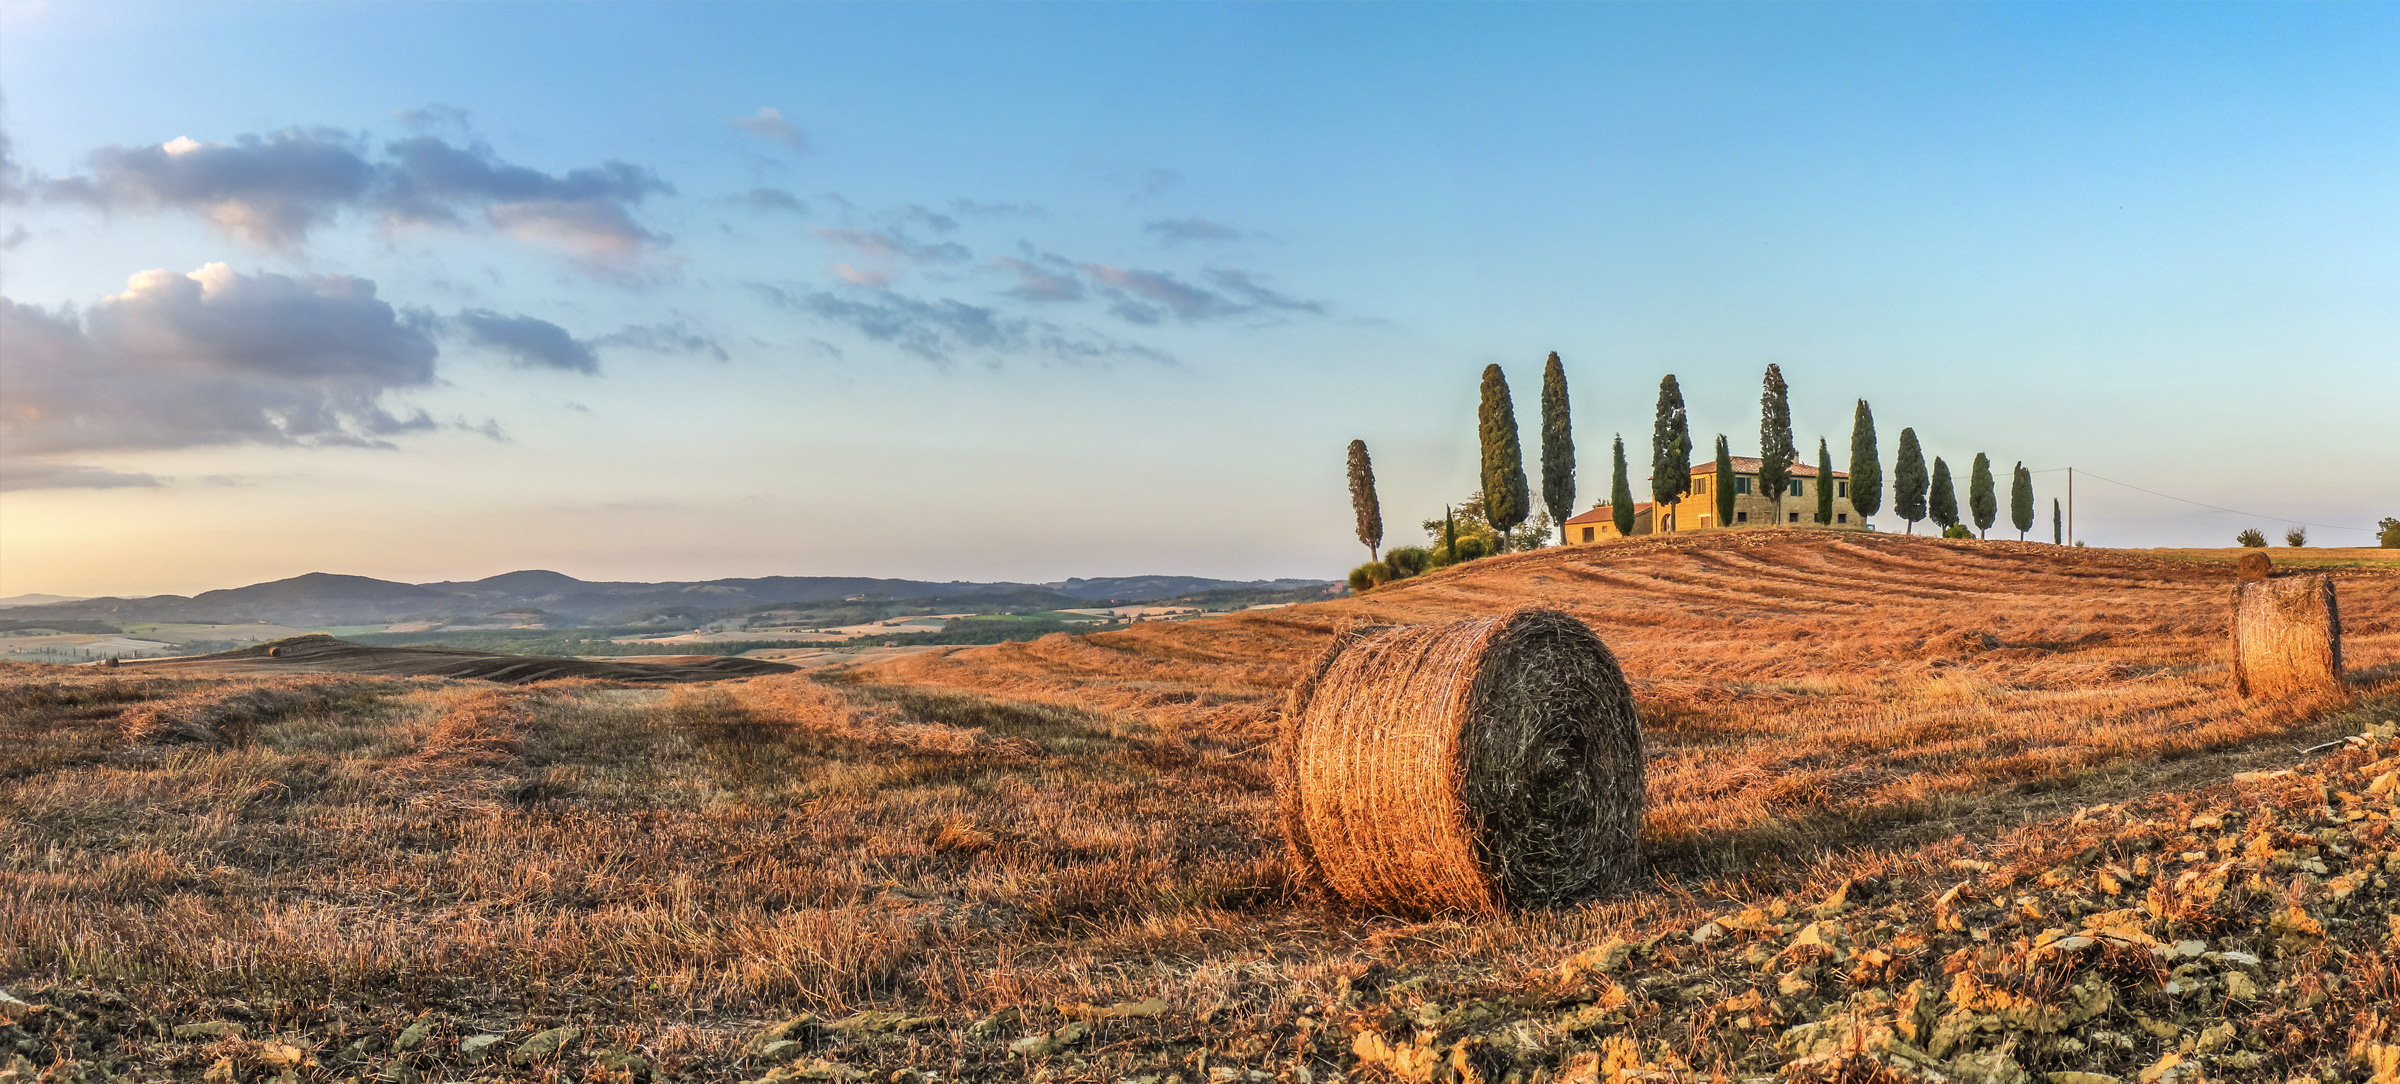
{"x":1027,"y":293}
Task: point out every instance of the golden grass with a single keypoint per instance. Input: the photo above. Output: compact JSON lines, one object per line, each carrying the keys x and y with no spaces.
{"x":1794,"y":685}
{"x":1080,"y":821}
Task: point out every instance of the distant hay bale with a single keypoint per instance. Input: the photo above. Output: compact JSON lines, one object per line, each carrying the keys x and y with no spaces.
{"x":1473,"y":766}
{"x":2253,"y":566}
{"x":2287,"y":636}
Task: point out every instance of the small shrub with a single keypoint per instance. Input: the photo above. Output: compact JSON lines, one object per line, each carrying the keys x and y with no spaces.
{"x":1365,"y":577}
{"x":2252,"y":537}
{"x":1406,"y":561}
{"x":2296,"y":537}
{"x":2388,"y":533}
{"x":1958,"y":530}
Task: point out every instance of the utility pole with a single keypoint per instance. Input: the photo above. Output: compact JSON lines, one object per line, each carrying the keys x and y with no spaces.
{"x":2070,"y":506}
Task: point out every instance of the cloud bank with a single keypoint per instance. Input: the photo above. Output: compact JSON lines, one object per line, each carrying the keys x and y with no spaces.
{"x":208,"y":358}
{"x":276,"y":189}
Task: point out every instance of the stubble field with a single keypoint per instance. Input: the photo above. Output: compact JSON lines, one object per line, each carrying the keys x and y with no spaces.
{"x":1055,"y":859}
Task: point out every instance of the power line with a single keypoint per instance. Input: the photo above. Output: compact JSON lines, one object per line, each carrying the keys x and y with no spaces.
{"x":2204,"y":504}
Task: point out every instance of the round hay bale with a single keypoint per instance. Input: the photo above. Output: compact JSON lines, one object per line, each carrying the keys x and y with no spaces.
{"x":1474,"y":766}
{"x":2287,"y":636}
{"x":2253,"y":566}
{"x":274,"y":652}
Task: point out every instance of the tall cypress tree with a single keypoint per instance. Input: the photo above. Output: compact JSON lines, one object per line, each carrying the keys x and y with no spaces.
{"x":1620,"y":494}
{"x":1724,"y":482}
{"x":1504,"y":497}
{"x":2020,"y":500}
{"x":2058,"y":528}
{"x":1908,"y":480}
{"x":1670,"y":450}
{"x":1866,"y":464}
{"x":1942,"y":500}
{"x":1558,"y":446}
{"x":1775,"y":451}
{"x":1983,"y":499}
{"x":1824,"y":483}
{"x":1449,"y":535}
{"x":1363,"y":502}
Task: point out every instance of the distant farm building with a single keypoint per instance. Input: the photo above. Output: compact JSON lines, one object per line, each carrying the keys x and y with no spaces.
{"x":1752,"y":506}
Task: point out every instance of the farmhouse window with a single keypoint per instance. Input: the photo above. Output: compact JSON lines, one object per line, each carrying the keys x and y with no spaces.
{"x":1795,"y":517}
{"x":1699,"y":487}
{"x":1796,"y":488}
{"x":1587,"y":534}
{"x":1841,"y":517}
{"x":1741,"y":485}
{"x":1741,"y":517}
{"x":1841,"y":489}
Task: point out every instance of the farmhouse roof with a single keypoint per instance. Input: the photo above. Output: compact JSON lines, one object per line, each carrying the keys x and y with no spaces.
{"x":1602,"y":514}
{"x":1749,"y":464}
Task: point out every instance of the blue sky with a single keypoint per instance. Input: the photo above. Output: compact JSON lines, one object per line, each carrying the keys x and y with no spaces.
{"x":1025,"y":292}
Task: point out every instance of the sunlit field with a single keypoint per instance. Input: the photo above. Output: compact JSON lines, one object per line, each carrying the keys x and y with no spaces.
{"x":1883,"y":771}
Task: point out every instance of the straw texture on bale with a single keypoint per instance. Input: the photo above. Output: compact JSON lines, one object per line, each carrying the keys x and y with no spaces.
{"x":2287,"y":636}
{"x":1475,"y":766}
{"x":2254,"y":566}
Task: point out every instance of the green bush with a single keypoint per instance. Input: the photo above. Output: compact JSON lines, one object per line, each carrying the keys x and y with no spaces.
{"x":1958,"y":530}
{"x":1406,"y":561}
{"x":2389,"y":533}
{"x":2296,"y":537}
{"x":1368,"y":576}
{"x":2253,"y":538}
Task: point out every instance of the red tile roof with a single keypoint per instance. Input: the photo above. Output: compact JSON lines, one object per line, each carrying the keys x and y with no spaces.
{"x":1602,"y":514}
{"x":1747,"y":464}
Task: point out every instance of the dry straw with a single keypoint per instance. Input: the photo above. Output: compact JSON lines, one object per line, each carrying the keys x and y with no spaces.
{"x":2287,"y":636}
{"x":2254,"y":566}
{"x":1474,"y":766}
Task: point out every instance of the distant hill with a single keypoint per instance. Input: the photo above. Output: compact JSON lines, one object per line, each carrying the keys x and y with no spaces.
{"x":35,"y":600}
{"x":1146,"y":588}
{"x":321,"y":599}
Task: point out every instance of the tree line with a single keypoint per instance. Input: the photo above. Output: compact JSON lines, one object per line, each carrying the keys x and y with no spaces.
{"x":1494,"y":519}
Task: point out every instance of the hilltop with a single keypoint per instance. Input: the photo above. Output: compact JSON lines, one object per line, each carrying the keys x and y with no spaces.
{"x":321,"y":599}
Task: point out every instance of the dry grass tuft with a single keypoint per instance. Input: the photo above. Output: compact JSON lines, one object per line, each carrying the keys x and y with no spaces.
{"x":1472,"y":766}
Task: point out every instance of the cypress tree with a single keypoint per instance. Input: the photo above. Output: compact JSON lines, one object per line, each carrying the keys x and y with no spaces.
{"x":2020,"y":500}
{"x":1724,"y":483}
{"x":1908,"y":480}
{"x":1942,"y":501}
{"x":1866,"y":464}
{"x":1504,"y":497}
{"x":1775,"y":451}
{"x":1449,"y":534}
{"x":2058,"y":527}
{"x":1824,"y":483}
{"x":1983,"y":500}
{"x":1620,"y":494}
{"x":1670,"y":449}
{"x":1363,"y":502}
{"x":1558,"y":446}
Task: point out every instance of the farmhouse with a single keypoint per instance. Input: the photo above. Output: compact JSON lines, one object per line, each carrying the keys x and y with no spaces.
{"x":1752,"y":506}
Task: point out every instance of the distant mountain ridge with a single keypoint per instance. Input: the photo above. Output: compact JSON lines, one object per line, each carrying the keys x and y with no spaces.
{"x":320,"y":599}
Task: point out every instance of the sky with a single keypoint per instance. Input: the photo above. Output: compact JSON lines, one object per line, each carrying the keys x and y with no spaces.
{"x":1024,"y":292}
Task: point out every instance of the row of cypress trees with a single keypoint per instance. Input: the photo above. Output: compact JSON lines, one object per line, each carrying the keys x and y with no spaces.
{"x":1917,"y":493}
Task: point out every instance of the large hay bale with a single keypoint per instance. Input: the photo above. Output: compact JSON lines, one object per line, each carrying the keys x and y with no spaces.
{"x":2253,"y":566}
{"x":2287,"y":636}
{"x":1465,"y":767}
